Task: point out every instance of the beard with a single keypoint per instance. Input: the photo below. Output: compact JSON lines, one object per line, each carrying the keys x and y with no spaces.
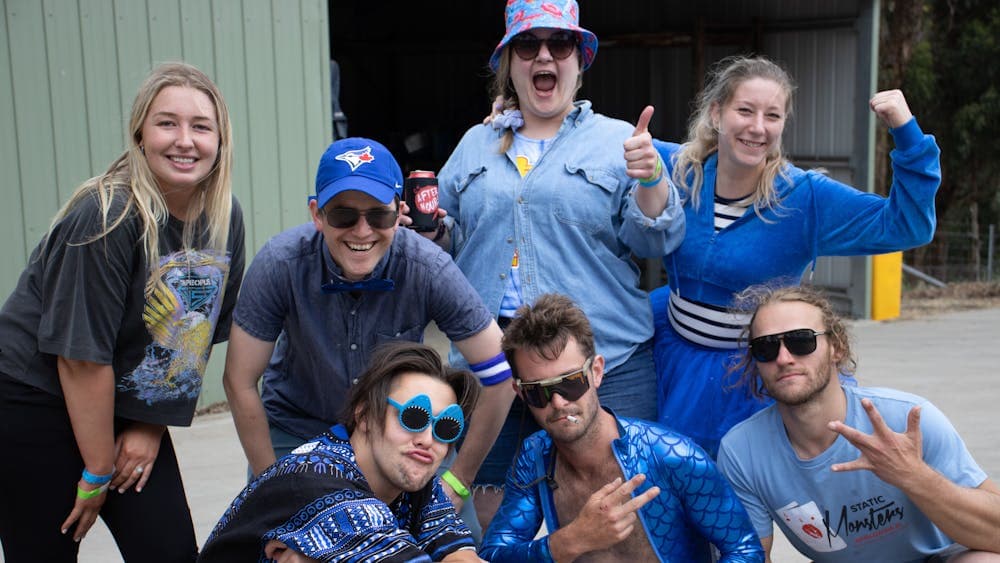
{"x":817,"y":382}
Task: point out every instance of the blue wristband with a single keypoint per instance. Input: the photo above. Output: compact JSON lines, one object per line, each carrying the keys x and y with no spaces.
{"x":97,"y":479}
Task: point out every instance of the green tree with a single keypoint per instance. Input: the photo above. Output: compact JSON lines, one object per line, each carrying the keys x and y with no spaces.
{"x":948,"y":64}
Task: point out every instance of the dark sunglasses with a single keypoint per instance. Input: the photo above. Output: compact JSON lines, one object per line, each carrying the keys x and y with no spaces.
{"x":571,"y":386}
{"x":560,"y":44}
{"x":799,"y":342}
{"x":347,"y":217}
{"x":415,"y":416}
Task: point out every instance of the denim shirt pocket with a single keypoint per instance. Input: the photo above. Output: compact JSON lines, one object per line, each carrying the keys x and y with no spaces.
{"x":411,"y":334}
{"x":586,"y":200}
{"x":468,"y":178}
{"x":474,"y":194}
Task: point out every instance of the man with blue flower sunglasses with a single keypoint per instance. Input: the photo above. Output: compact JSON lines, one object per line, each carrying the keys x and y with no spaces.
{"x":365,"y":489}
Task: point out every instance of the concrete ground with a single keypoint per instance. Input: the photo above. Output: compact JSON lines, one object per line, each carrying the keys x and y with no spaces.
{"x":952,"y":359}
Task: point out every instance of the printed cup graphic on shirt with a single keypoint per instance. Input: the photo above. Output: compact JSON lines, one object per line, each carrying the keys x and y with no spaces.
{"x":807,"y":524}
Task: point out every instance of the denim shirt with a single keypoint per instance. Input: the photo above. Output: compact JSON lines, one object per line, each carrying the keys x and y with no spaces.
{"x":323,"y":341}
{"x":695,"y":501}
{"x":573,"y":218}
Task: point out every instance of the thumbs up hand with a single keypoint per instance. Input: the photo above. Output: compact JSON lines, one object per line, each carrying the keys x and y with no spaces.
{"x":642,"y":162}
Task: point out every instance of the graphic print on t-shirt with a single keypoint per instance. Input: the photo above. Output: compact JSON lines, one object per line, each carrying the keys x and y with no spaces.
{"x":807,"y":523}
{"x":180,"y":316}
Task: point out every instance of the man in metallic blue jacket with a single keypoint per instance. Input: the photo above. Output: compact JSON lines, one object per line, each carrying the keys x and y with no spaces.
{"x":615,"y":488}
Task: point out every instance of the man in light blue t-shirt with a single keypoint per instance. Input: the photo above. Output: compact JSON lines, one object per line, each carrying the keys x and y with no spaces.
{"x":849,"y":473}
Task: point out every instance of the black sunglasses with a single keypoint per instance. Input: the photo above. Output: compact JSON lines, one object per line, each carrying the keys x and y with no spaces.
{"x":800,"y":342}
{"x":561,"y":45}
{"x":571,"y":386}
{"x":347,"y":217}
{"x":415,"y":416}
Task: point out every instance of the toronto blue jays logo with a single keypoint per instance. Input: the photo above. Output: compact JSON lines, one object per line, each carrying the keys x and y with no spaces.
{"x":357,"y":157}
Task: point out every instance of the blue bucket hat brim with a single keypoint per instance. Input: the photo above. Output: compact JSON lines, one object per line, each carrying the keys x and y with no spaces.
{"x":523,"y":15}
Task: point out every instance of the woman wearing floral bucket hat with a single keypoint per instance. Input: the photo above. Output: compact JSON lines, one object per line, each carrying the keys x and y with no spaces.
{"x":554,"y":197}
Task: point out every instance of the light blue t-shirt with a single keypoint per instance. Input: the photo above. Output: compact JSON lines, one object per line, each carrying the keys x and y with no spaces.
{"x":527,"y":152}
{"x":851,"y":516}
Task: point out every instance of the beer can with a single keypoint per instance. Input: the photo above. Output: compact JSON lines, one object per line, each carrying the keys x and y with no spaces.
{"x":420,"y":190}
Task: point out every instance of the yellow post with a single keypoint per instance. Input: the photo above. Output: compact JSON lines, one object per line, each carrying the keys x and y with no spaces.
{"x":887,"y":285}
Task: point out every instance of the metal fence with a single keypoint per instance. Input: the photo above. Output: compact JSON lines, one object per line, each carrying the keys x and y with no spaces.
{"x":957,"y":253}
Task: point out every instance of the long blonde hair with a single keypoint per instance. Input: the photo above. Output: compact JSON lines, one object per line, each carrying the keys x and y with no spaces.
{"x":703,"y":137}
{"x":130,"y":172}
{"x":502,"y":85}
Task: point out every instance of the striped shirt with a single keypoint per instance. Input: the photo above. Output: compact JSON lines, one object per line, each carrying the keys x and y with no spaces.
{"x":708,"y":325}
{"x":728,"y":210}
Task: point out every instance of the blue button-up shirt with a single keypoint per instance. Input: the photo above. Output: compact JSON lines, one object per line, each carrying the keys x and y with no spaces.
{"x":324,"y":341}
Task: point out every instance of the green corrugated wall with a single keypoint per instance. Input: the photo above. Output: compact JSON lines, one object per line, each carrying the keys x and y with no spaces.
{"x":69,"y":70}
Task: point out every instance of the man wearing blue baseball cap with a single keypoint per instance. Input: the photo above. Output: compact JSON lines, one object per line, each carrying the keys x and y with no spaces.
{"x":318,"y":298}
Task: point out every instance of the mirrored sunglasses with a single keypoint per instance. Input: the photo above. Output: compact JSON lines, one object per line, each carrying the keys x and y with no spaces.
{"x":347,"y":217}
{"x":415,"y":416}
{"x":560,"y":44}
{"x":571,"y":386}
{"x":799,"y":342}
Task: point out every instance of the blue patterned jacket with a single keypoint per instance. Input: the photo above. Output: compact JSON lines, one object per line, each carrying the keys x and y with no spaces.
{"x":695,"y":504}
{"x":317,"y":501}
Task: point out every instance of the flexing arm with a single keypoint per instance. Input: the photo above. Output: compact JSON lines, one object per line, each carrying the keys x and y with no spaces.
{"x":971,"y":516}
{"x":89,"y":389}
{"x":490,"y":413}
{"x":246,"y":360}
{"x":849,"y":222}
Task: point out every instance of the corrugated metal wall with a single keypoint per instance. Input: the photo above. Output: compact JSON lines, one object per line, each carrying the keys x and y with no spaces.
{"x":648,"y":53}
{"x":69,"y":70}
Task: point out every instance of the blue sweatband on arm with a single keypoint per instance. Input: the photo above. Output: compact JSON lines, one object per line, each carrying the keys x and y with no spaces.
{"x":492,"y":371}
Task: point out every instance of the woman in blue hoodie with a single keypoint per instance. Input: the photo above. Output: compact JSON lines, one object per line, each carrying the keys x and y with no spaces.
{"x":753,"y":217}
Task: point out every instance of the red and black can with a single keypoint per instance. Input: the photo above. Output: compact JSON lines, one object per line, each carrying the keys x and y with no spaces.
{"x":420,"y":190}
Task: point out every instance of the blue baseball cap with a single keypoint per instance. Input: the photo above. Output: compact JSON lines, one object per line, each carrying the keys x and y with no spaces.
{"x":358,"y":164}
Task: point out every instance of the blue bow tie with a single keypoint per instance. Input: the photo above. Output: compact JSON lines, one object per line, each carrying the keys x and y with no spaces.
{"x":373,"y":284}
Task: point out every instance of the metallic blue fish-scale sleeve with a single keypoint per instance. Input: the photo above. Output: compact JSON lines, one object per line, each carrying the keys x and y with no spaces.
{"x":510,"y":536}
{"x":708,"y":503}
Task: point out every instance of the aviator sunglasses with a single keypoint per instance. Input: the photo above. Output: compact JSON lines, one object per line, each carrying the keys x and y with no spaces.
{"x":571,"y":386}
{"x":799,"y":342}
{"x":347,"y":217}
{"x":415,"y":416}
{"x":560,"y":44}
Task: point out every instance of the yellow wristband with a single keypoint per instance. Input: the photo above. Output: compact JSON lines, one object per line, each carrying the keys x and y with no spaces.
{"x":455,"y":484}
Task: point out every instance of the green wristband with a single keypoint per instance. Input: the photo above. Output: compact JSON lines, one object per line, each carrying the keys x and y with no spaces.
{"x":80,"y":493}
{"x":655,"y":178}
{"x":456,"y":485}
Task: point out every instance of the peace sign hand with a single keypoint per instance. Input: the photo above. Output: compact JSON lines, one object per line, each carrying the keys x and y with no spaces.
{"x":610,"y":514}
{"x":894,"y":457}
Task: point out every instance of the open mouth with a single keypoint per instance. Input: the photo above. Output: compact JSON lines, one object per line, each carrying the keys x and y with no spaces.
{"x":360,"y":247}
{"x":544,"y":81}
{"x":752,"y":144}
{"x":182,"y":159}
